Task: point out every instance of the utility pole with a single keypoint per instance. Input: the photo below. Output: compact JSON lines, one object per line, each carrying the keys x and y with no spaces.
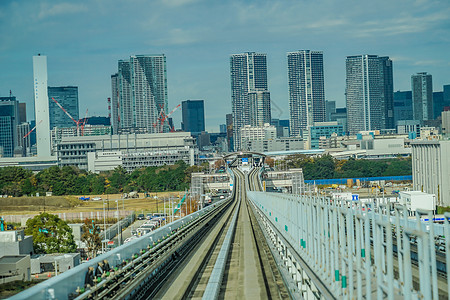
{"x":104,"y":227}
{"x":119,"y":233}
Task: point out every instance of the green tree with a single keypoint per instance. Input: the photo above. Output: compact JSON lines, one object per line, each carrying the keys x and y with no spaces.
{"x":400,"y":166}
{"x":13,"y":174}
{"x":118,"y":179}
{"x":11,"y":179}
{"x":27,"y":187}
{"x":12,"y":189}
{"x":97,"y":184}
{"x":50,"y":234}
{"x":91,"y":236}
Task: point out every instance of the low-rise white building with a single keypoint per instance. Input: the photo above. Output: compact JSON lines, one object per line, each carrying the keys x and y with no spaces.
{"x":385,"y":147}
{"x":445,"y":115}
{"x":414,"y":200}
{"x":429,"y":133}
{"x":264,"y":139}
{"x":105,"y":152}
{"x":431,"y":169}
{"x":15,"y":267}
{"x":407,"y":126}
{"x":15,"y":242}
{"x":280,"y":144}
{"x":58,"y":133}
{"x":252,"y":133}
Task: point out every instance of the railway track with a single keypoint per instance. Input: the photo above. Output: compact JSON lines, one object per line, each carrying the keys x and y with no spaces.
{"x":247,"y":271}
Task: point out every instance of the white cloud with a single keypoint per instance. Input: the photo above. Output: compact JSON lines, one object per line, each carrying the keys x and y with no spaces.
{"x":177,"y":36}
{"x":177,"y":3}
{"x":404,"y":25}
{"x":60,"y":9}
{"x":428,"y":62}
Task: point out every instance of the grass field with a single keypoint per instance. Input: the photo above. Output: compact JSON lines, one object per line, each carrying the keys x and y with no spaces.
{"x":10,"y":289}
{"x":61,"y":204}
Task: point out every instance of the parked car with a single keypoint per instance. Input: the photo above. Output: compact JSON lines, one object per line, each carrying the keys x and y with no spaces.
{"x":149,"y":216}
{"x":97,"y":198}
{"x":141,"y":217}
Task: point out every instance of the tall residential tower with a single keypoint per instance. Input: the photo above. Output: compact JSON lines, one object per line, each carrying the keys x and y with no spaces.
{"x":422,"y":96}
{"x":141,"y":91}
{"x":248,"y":75}
{"x":369,"y":93}
{"x":306,"y":89}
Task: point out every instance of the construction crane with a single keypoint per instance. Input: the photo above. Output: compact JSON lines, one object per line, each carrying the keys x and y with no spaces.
{"x":84,"y":122}
{"x":163,"y":117}
{"x":171,"y":112}
{"x":76,"y":122}
{"x":25,"y":136}
{"x":160,"y":118}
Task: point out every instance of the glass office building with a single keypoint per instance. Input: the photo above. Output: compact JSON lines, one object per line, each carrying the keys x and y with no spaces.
{"x":193,"y":116}
{"x":67,"y":96}
{"x":9,"y":117}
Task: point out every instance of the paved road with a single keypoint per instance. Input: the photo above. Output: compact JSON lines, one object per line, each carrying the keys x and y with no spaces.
{"x":127,"y":232}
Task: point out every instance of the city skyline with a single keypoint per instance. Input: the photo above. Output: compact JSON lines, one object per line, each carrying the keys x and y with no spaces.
{"x":413,"y":35}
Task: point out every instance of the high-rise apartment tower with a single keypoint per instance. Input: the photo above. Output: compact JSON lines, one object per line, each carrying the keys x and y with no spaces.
{"x":369,"y":88}
{"x":248,"y":75}
{"x":306,"y":89}
{"x":422,"y":96}
{"x":141,"y":89}
{"x":115,"y":117}
{"x":259,"y":102}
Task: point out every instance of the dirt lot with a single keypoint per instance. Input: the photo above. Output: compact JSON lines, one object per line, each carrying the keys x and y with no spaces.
{"x":60,"y":204}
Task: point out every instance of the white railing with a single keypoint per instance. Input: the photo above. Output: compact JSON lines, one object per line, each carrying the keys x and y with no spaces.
{"x":356,"y":253}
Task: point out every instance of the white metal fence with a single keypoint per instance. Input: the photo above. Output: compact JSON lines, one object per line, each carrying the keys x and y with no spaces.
{"x":356,"y":253}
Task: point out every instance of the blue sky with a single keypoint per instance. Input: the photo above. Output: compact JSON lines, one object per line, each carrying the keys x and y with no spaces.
{"x":84,"y":40}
